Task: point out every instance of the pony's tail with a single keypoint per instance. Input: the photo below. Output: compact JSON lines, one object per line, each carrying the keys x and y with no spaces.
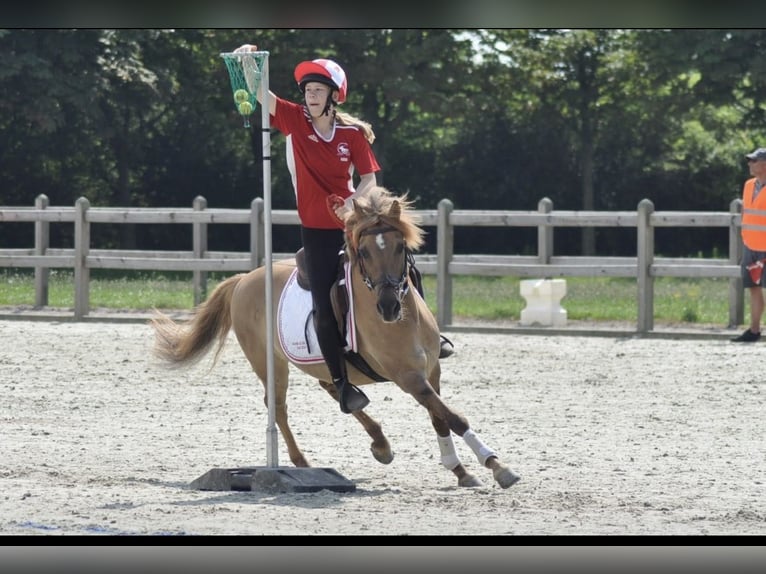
{"x":186,"y":344}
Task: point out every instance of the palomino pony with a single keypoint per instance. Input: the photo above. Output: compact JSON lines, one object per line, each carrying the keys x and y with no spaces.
{"x":396,"y":333}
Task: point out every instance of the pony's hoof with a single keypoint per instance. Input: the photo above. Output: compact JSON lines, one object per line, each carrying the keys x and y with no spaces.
{"x":505,"y":477}
{"x":469,"y":480}
{"x":382,"y":455}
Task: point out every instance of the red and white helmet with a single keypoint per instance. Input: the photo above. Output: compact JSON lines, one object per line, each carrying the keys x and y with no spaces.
{"x":324,"y":71}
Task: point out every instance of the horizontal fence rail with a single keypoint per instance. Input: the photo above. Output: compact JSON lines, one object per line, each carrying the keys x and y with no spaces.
{"x":444,"y":264}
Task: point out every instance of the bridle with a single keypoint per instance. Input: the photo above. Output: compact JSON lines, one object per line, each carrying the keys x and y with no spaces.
{"x":400,"y":285}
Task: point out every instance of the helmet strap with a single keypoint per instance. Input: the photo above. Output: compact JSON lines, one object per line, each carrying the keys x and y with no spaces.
{"x":329,"y":105}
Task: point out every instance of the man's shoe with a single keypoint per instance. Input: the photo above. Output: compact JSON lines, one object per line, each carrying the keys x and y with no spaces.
{"x":747,"y":337}
{"x":447,"y":348}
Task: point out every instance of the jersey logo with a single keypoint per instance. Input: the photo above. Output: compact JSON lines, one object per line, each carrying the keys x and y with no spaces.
{"x":343,"y":151}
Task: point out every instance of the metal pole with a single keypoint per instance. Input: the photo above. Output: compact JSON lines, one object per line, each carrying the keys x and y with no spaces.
{"x":271,"y":429}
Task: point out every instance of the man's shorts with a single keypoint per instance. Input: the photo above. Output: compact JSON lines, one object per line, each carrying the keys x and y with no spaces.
{"x":748,"y":258}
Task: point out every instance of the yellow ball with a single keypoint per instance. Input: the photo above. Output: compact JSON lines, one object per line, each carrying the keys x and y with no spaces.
{"x":241,"y":96}
{"x":245,"y":108}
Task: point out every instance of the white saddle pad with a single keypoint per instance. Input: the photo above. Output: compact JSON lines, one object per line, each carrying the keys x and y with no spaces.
{"x":295,"y":326}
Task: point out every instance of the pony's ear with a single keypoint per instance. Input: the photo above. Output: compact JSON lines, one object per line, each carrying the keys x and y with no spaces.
{"x":395,"y":211}
{"x":358,"y":210}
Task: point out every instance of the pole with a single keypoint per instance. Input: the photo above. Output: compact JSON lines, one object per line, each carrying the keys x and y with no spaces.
{"x":272,"y":457}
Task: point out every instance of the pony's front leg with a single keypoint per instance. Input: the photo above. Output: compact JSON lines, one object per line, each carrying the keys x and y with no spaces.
{"x":446,"y":421}
{"x":503,"y":475}
{"x":443,"y":420}
{"x":380,"y":447}
{"x":451,"y":461}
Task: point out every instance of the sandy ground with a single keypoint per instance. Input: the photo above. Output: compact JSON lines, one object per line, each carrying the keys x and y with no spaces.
{"x":611,"y":435}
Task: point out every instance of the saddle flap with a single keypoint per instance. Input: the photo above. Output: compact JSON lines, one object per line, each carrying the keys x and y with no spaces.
{"x":339,"y":298}
{"x":300,"y":263}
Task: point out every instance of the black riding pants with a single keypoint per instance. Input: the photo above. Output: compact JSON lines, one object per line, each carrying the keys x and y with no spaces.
{"x":321,"y":247}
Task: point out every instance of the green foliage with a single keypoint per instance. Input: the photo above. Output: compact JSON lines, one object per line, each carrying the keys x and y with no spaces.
{"x":489,"y":118}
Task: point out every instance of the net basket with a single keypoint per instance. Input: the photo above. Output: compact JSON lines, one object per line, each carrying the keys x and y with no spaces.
{"x":245,"y":77}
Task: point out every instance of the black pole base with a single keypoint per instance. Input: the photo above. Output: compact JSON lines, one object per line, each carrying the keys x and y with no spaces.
{"x":273,"y":479}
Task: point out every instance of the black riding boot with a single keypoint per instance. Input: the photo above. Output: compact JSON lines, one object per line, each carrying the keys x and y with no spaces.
{"x":351,"y":397}
{"x":447,"y":348}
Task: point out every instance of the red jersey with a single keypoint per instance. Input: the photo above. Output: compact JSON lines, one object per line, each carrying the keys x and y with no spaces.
{"x":319,"y":167}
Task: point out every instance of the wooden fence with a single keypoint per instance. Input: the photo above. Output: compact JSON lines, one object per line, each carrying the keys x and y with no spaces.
{"x":445,"y":264}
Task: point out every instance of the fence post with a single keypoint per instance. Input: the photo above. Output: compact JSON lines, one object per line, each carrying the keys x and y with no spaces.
{"x":544,"y":233}
{"x":644,"y":261}
{"x":42,"y":242}
{"x":257,"y":232}
{"x":736,"y":286}
{"x":81,"y":251}
{"x":199,"y":242}
{"x":444,"y":248}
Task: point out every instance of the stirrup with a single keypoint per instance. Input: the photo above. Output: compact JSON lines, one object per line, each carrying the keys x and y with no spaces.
{"x":351,"y":397}
{"x":447,"y":349}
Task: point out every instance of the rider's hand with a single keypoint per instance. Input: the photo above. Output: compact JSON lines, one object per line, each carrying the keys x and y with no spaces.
{"x":246,"y":48}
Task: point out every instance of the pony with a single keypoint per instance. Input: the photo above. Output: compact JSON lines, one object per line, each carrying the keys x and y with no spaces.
{"x":396,"y":333}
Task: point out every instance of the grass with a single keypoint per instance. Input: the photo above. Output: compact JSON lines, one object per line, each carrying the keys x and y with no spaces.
{"x":676,"y":300}
{"x":599,"y":298}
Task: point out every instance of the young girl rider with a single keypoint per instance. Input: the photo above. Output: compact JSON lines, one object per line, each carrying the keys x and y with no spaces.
{"x":324,"y":149}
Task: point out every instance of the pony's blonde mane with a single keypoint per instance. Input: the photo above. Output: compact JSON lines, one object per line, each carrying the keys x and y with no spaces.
{"x":379,"y":206}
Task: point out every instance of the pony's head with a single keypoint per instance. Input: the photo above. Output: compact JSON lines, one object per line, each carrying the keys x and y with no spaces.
{"x":381,"y":234}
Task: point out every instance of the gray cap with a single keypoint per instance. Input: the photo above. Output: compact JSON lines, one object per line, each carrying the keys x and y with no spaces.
{"x":760,"y":153}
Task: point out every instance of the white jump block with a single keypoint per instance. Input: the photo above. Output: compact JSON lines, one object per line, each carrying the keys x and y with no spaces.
{"x":543,"y":297}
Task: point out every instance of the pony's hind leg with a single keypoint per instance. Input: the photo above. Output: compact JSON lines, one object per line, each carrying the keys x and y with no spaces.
{"x":380,"y":447}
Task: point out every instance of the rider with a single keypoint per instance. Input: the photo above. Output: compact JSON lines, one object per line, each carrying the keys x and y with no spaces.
{"x":324,"y":149}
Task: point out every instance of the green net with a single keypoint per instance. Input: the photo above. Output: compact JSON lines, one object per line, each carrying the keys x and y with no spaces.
{"x":245,"y":76}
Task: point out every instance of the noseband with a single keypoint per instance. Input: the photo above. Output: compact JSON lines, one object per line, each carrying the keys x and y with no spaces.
{"x":400,"y":284}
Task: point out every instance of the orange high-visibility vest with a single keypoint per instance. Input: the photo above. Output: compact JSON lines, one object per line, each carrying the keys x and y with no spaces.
{"x":755,"y":239}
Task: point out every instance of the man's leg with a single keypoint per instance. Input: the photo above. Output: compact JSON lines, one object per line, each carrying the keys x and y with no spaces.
{"x":753,"y":333}
{"x":756,"y":309}
{"x":753,"y":285}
